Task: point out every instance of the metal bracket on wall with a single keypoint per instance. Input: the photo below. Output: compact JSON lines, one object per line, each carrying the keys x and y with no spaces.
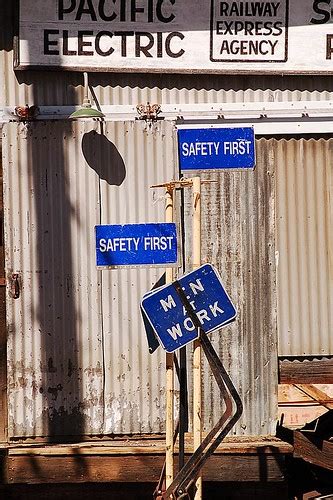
{"x":14,"y":286}
{"x":26,"y":113}
{"x":148,"y":111}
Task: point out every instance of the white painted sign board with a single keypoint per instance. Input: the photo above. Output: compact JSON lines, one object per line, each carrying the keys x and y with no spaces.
{"x":241,"y":36}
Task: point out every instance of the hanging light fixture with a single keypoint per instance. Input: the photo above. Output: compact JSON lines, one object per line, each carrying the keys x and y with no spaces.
{"x":86,"y":111}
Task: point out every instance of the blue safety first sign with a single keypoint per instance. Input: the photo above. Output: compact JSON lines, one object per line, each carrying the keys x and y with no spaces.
{"x":216,"y":148}
{"x":136,"y":244}
{"x":167,"y":312}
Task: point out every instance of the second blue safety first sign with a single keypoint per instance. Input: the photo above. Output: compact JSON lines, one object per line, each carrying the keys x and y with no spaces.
{"x":130,"y":245}
{"x":216,"y":148}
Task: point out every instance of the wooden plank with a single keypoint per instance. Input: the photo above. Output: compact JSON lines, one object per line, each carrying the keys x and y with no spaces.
{"x":239,"y":445}
{"x":316,"y":394}
{"x":29,"y":469}
{"x":320,"y":455}
{"x":306,"y":372}
{"x":141,"y":491}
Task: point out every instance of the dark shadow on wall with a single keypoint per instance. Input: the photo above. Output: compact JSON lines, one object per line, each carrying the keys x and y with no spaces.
{"x":53,"y":308}
{"x":103,"y":157}
{"x":55,"y":284}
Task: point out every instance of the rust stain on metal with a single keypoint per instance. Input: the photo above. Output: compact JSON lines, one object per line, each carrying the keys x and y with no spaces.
{"x":70,"y":368}
{"x":50,"y":367}
{"x":54,"y":391}
{"x":94,"y":371}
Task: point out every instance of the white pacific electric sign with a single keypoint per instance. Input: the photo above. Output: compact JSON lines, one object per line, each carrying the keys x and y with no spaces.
{"x":287,"y":36}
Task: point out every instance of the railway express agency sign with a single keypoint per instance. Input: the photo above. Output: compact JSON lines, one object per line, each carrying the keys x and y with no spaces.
{"x":244,"y":36}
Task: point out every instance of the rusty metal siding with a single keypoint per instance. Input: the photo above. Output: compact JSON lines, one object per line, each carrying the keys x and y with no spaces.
{"x":69,"y":373}
{"x":238,"y":222}
{"x":305,"y":247}
{"x":65,"y":88}
{"x":134,"y":379}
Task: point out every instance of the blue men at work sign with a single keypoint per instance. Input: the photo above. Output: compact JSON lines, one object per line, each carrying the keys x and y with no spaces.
{"x":216,"y":148}
{"x":136,"y":244}
{"x":167,"y":311}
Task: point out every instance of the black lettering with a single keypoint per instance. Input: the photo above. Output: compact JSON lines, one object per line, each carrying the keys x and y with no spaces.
{"x":62,"y":10}
{"x":325,"y":13}
{"x":65,"y":49}
{"x":253,"y":47}
{"x":234,"y":10}
{"x":168,"y":44}
{"x":228,"y":27}
{"x":88,"y":10}
{"x":329,"y":48}
{"x":262,"y":51}
{"x":243,"y":47}
{"x":99,"y":51}
{"x":238,"y":27}
{"x":258,"y":8}
{"x":278,"y":28}
{"x":268,"y":27}
{"x":82,"y":44}
{"x":124,"y":35}
{"x":225,"y":47}
{"x":159,"y":13}
{"x":48,"y":43}
{"x":159,"y":44}
{"x":134,"y":10}
{"x":249,"y":27}
{"x":224,"y":8}
{"x":219,"y":27}
{"x":150,"y":11}
{"x":234,"y":47}
{"x":143,"y":48}
{"x":102,"y":14}
{"x":123,"y":10}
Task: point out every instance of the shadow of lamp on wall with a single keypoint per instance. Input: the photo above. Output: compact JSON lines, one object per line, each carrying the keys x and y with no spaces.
{"x":86,"y":110}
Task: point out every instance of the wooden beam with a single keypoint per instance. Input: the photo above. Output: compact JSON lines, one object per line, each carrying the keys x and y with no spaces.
{"x":316,"y":394}
{"x":320,"y":454}
{"x":139,"y":491}
{"x":231,"y":445}
{"x":306,"y":372}
{"x":34,"y":469}
{"x":237,"y":459}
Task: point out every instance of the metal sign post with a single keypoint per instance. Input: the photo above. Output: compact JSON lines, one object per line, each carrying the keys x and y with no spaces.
{"x":169,"y":424}
{"x":183,"y":311}
{"x":197,"y":355}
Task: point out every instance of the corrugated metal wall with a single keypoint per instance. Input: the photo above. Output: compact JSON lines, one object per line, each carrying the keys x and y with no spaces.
{"x":78,"y":358}
{"x":238,"y":219}
{"x":65,"y":88}
{"x":304,"y":214}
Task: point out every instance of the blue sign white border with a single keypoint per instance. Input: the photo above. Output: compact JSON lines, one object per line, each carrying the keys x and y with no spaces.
{"x":177,"y":264}
{"x":158,"y":290}
{"x":199,"y":125}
